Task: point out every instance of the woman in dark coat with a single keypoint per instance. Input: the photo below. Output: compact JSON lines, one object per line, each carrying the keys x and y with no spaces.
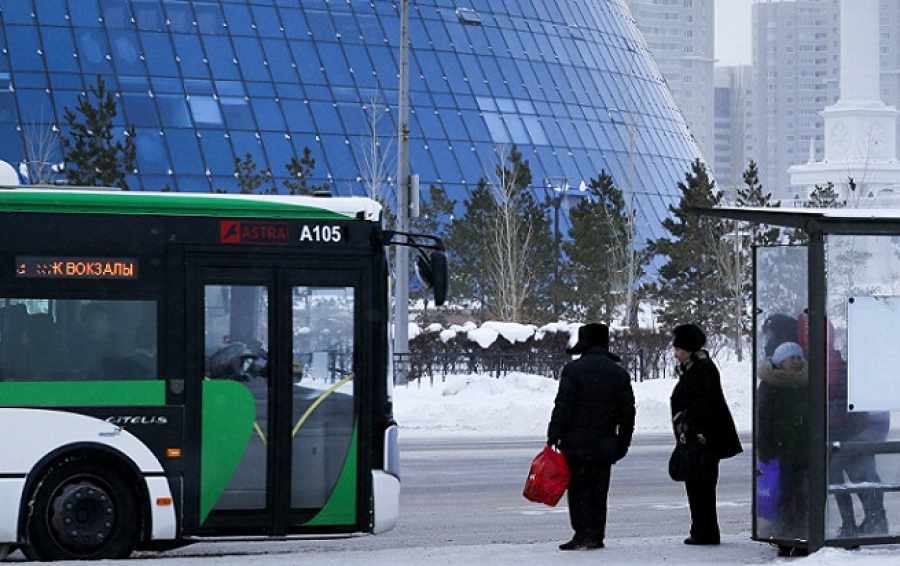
{"x":700,"y":413}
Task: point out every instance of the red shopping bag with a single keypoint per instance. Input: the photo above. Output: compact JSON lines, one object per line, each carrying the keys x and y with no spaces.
{"x":548,"y":477}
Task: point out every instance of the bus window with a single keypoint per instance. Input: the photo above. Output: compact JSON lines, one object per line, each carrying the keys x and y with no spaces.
{"x":75,"y":340}
{"x":323,"y":391}
{"x":236,"y":331}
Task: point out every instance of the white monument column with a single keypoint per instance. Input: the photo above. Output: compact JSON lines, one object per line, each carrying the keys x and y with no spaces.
{"x":860,"y":130}
{"x":860,"y":71}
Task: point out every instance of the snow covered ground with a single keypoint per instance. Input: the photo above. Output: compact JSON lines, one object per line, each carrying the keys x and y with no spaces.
{"x":520,"y":404}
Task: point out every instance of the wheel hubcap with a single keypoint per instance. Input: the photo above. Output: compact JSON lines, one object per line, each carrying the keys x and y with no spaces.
{"x":82,"y":515}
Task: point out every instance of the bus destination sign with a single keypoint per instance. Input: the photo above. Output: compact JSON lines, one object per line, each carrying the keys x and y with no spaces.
{"x":66,"y":267}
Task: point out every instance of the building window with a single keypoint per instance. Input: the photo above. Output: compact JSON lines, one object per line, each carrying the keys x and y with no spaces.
{"x":468,"y":16}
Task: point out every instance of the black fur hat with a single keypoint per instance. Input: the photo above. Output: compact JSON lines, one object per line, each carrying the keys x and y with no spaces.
{"x":590,"y":336}
{"x":688,"y":337}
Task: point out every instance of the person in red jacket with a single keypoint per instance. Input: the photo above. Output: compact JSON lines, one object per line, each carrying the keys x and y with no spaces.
{"x":844,"y":425}
{"x":592,"y":424}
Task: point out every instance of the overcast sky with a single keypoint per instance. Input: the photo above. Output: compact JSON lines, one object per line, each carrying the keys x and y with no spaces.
{"x":733,"y":32}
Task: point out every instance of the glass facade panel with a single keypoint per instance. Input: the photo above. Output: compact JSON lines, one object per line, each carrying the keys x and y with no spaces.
{"x":140,"y":110}
{"x":24,"y":48}
{"x":149,"y":15}
{"x":185,"y":151}
{"x":217,"y":151}
{"x":222,"y":60}
{"x":87,"y":14}
{"x":59,"y":47}
{"x":153,"y":157}
{"x":267,"y":76}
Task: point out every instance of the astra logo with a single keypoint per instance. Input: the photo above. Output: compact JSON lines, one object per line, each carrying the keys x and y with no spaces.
{"x":253,"y":232}
{"x":133,"y":420}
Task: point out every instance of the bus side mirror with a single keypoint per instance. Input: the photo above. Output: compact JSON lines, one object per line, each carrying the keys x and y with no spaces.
{"x":432,"y":272}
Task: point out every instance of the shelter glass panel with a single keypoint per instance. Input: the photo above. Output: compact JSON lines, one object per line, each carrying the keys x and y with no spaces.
{"x":863,"y":391}
{"x":781,"y":438}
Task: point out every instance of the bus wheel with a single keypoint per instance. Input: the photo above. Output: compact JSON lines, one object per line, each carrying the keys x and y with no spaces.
{"x":82,"y":511}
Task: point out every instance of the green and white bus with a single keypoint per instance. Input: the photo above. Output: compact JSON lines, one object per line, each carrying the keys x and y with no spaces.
{"x":180,"y":367}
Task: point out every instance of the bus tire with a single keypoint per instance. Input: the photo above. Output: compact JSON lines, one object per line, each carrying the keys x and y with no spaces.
{"x":82,"y":510}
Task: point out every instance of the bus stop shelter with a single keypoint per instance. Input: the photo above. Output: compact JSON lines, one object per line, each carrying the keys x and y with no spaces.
{"x":826,"y":432}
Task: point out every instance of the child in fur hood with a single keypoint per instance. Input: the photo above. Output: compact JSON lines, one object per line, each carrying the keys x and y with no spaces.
{"x":783,"y":437}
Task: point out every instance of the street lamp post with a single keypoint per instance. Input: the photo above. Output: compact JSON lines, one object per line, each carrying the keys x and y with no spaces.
{"x":401,"y":271}
{"x":559,"y":186}
{"x":737,"y":237}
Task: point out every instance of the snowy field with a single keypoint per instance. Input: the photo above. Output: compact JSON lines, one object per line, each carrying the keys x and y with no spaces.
{"x":520,"y":404}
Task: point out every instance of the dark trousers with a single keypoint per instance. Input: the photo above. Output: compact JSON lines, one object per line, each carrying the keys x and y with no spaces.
{"x":701,"y":496}
{"x":588,"y":490}
{"x":858,"y":469}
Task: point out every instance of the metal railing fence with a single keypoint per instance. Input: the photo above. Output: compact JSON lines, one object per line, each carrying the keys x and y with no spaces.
{"x":421,"y":367}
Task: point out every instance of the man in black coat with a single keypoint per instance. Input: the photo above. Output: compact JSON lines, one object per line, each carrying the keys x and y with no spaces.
{"x":592,"y":423}
{"x":700,"y":414}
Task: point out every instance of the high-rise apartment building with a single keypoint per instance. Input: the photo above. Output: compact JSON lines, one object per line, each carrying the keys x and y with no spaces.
{"x":796,"y":70}
{"x":732,"y":96}
{"x":681,"y":37}
{"x":889,"y":35}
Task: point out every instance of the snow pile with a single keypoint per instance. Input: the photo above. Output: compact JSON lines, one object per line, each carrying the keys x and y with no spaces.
{"x":520,"y":404}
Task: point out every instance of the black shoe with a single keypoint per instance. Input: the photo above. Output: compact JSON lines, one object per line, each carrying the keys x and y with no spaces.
{"x":785,"y":550}
{"x":847,"y":531}
{"x":576,"y":544}
{"x":701,"y":542}
{"x":874,"y":524}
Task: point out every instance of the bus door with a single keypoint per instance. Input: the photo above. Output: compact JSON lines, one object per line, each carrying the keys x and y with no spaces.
{"x":278,"y":450}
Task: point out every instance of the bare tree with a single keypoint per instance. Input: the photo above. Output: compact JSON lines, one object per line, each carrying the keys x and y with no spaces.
{"x":42,"y":147}
{"x":510,"y":246}
{"x":507,"y":252}
{"x":378,"y":153}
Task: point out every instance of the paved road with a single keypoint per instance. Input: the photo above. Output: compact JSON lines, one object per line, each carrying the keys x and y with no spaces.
{"x":470,"y":491}
{"x":467,"y":492}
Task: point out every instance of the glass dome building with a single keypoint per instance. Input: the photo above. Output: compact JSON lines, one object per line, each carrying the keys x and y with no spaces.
{"x":570,"y":83}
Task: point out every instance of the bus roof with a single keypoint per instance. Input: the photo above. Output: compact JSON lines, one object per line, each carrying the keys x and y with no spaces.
{"x":86,"y":201}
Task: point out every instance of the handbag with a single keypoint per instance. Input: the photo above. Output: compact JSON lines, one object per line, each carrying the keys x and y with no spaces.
{"x":768,"y":489}
{"x":548,"y":477}
{"x":691,"y":459}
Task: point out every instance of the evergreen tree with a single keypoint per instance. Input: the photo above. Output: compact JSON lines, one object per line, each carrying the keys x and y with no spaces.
{"x":501,"y":249}
{"x":301,"y":171}
{"x":744,"y":236}
{"x":93,"y":155}
{"x":541,"y":260}
{"x":466,"y":239}
{"x":752,"y":195}
{"x":596,"y":272}
{"x":825,"y":197}
{"x":248,"y":179}
{"x":435,"y":218}
{"x":435,"y":213}
{"x":691,"y":286}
